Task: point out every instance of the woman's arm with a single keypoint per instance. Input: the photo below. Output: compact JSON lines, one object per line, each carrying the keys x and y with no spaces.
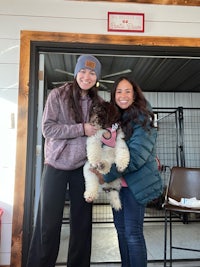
{"x":53,"y":124}
{"x":141,"y":146}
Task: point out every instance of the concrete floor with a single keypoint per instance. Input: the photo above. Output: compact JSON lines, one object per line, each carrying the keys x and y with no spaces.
{"x":105,"y":251}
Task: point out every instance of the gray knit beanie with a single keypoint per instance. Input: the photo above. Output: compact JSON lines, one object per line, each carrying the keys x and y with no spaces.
{"x":88,"y":62}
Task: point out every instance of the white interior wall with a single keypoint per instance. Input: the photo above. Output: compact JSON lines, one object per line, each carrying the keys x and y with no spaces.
{"x":74,"y":17}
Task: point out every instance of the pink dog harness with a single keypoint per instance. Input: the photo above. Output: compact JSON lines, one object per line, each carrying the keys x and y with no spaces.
{"x":111,"y":141}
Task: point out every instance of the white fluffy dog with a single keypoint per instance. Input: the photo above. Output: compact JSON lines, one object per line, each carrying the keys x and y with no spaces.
{"x":103,"y":151}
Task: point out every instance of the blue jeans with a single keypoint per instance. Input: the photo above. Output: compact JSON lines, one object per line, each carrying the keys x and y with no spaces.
{"x":129,"y":225}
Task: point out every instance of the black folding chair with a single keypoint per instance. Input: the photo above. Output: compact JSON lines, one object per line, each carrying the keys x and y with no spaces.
{"x":183,"y":183}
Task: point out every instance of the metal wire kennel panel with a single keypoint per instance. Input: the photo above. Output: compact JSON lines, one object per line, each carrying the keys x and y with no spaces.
{"x":167,"y":148}
{"x":178,"y":144}
{"x":187,"y":141}
{"x":192,"y":137}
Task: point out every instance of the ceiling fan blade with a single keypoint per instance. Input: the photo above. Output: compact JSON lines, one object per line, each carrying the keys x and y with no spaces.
{"x":56,"y":83}
{"x":63,"y":71}
{"x":117,"y":73}
{"x":61,"y":82}
{"x":101,"y":85}
{"x":106,"y":81}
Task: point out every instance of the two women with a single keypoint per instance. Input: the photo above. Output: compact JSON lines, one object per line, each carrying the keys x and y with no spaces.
{"x":65,"y":126}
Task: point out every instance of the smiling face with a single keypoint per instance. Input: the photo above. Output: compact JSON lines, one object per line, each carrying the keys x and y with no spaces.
{"x":86,"y":79}
{"x":124,"y":94}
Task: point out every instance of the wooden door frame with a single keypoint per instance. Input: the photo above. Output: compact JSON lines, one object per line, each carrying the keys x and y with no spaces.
{"x":157,"y":2}
{"x":23,"y":99}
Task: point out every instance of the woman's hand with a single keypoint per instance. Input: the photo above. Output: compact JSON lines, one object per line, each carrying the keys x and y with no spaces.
{"x":98,"y":174}
{"x":89,"y":129}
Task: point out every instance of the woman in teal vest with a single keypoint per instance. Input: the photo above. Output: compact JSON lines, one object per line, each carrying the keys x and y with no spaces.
{"x":141,"y":181}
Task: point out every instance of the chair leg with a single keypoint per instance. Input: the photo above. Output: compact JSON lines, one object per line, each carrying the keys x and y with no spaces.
{"x":165,"y":240}
{"x":170,"y":236}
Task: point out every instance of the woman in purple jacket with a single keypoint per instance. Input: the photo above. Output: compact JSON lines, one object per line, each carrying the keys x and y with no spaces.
{"x":65,"y":126}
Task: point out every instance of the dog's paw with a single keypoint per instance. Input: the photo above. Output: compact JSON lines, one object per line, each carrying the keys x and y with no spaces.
{"x":122,"y":164}
{"x":90,"y":196}
{"x":89,"y":200}
{"x":103,"y":167}
{"x":121,"y":168}
{"x":93,"y":165}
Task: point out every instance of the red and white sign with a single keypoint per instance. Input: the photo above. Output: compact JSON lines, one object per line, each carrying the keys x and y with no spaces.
{"x":125,"y":22}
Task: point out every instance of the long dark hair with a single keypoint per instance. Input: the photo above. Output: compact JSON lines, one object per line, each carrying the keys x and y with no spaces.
{"x":73,"y":95}
{"x":138,"y":112}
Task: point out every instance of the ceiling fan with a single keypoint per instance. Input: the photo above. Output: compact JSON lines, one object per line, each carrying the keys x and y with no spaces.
{"x":101,"y":82}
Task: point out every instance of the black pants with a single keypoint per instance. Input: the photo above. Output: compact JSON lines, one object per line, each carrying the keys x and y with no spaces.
{"x":45,"y":242}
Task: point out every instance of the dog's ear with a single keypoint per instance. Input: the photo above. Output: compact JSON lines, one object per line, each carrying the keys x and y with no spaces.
{"x":113,"y":114}
{"x":99,"y":110}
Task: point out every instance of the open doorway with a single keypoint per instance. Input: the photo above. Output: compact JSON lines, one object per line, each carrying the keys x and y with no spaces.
{"x":65,"y":43}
